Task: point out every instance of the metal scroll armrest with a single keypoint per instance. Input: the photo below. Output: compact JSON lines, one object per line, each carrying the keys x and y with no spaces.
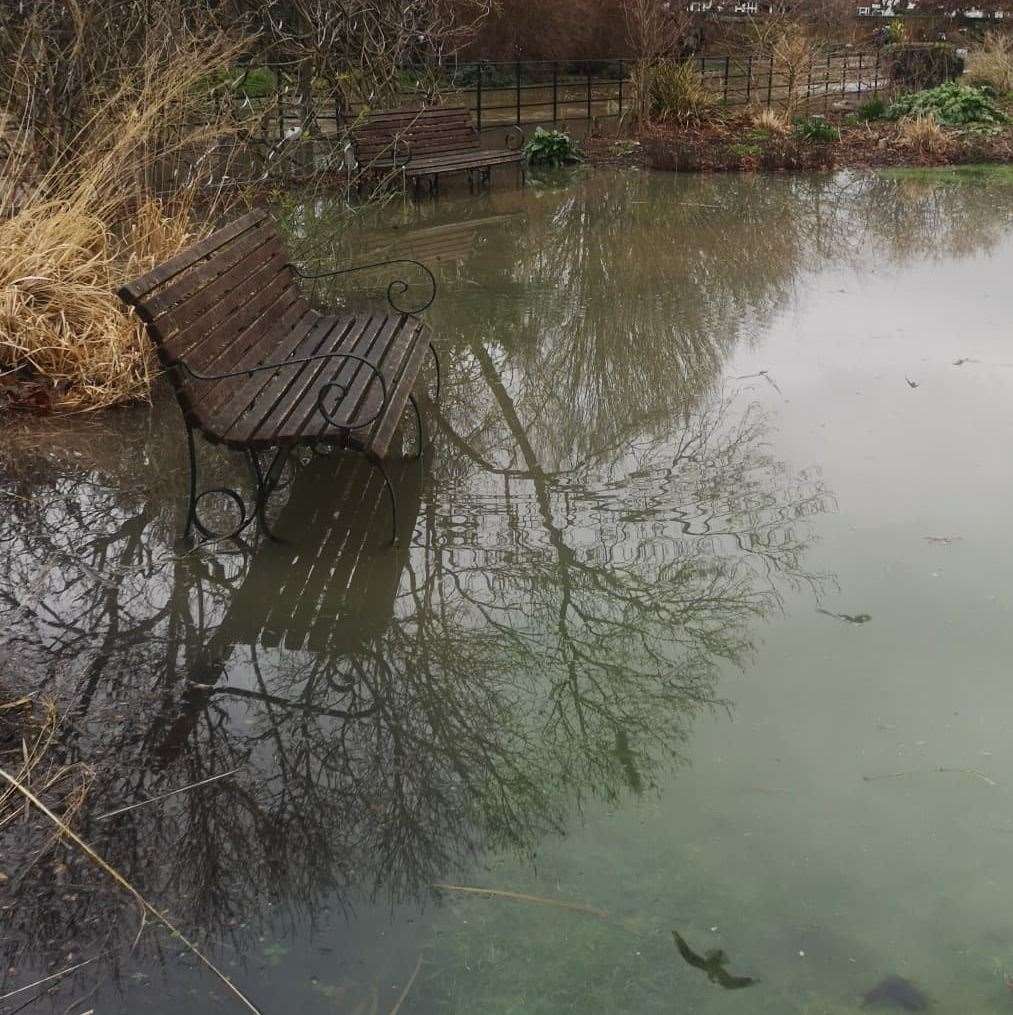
{"x":396,"y":288}
{"x":324,"y":391}
{"x":514,"y":132}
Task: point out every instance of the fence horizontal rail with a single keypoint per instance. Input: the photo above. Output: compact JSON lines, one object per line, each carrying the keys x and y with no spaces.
{"x":554,"y":92}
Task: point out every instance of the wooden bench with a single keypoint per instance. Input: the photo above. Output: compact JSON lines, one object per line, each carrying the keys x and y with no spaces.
{"x":256,"y":368}
{"x":426,"y":143}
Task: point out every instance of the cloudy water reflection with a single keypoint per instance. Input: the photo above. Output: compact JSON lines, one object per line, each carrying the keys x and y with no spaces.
{"x":609,"y":572}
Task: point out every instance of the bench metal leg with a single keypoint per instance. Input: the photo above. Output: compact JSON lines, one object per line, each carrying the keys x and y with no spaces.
{"x":377,"y":463}
{"x":420,"y":429}
{"x":193,"y":519}
{"x":266,"y":483}
{"x":436,"y":364}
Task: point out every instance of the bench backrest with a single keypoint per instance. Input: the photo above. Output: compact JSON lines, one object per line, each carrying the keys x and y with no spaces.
{"x":220,"y":303}
{"x":426,"y":131}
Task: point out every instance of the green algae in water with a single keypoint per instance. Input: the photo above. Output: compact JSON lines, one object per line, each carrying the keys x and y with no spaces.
{"x":953,"y":175}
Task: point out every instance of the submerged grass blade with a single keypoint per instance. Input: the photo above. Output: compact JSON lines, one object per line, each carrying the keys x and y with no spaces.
{"x":146,"y":906}
{"x":46,"y":979}
{"x":576,"y":907}
{"x":164,"y":796}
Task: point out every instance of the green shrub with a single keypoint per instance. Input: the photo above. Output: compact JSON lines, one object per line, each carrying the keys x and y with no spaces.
{"x":550,"y":148}
{"x":816,"y":129}
{"x":746,"y":151}
{"x":917,"y":65}
{"x":678,"y":93}
{"x":875,"y":109}
{"x":952,"y":104}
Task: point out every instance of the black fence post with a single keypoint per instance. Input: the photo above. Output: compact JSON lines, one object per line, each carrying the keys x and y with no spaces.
{"x":844,"y":75}
{"x":770,"y":80}
{"x":749,"y":79}
{"x":517,"y":82}
{"x":555,"y":92}
{"x":727,"y":71}
{"x":478,"y":99}
{"x":861,"y":59}
{"x":589,"y":117}
{"x":875,"y":80}
{"x":622,"y":75}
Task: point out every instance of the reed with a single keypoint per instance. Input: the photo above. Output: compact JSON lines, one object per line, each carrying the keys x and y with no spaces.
{"x":132,"y":186}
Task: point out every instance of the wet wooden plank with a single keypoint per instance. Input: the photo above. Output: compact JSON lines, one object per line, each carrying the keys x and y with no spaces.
{"x":168,"y":269}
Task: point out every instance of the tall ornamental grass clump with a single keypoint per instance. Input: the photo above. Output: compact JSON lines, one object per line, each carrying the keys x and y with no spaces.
{"x":126,"y":190}
{"x":991,"y":64}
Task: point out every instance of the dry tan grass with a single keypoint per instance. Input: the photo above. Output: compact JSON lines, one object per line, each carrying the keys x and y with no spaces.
{"x":992,"y":63}
{"x":73,"y":234}
{"x":923,"y":134}
{"x":27,"y":730}
{"x":771,"y":120}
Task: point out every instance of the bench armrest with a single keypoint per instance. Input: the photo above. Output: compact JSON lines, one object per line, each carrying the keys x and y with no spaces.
{"x":514,"y":132}
{"x":396,"y":288}
{"x":324,"y":391}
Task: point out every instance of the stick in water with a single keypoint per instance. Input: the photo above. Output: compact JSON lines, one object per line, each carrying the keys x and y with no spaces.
{"x":162,"y":796}
{"x":497,"y":893}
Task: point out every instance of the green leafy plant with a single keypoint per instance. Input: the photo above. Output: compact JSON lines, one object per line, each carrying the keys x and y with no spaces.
{"x":951,"y":104}
{"x":680,"y":94}
{"x":746,"y":151}
{"x":551,"y":148}
{"x":874,"y":109}
{"x":816,"y":129}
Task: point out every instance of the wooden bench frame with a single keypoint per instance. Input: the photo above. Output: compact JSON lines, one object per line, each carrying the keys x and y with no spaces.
{"x":427,"y":143}
{"x":293,"y":376}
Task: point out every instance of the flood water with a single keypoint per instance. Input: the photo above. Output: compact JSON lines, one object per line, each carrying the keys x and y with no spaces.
{"x":700,"y":621}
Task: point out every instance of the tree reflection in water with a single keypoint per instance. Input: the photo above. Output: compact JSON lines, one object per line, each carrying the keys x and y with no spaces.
{"x":595,"y":534}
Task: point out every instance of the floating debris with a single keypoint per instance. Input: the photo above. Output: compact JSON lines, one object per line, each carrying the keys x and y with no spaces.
{"x":713,"y":964}
{"x":896,"y":992}
{"x":910,"y":383}
{"x":849,"y":618}
{"x":944,"y":540}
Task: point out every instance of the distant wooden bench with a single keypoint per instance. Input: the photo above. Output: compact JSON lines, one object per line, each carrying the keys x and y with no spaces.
{"x":426,"y":143}
{"x":256,"y":368}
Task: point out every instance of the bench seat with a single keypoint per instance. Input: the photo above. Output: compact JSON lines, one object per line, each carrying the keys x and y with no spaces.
{"x":426,"y":143}
{"x":255,"y":367}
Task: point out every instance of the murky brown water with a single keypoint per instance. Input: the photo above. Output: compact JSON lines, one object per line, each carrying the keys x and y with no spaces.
{"x":620,"y":659}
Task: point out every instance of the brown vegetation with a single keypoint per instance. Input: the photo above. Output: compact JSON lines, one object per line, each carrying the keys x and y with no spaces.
{"x":117,"y":195}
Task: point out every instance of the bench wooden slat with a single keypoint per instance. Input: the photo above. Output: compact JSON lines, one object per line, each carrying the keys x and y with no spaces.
{"x":299,"y":416}
{"x":364,"y":392}
{"x":259,"y":349}
{"x":275,"y":400}
{"x":204,"y":341}
{"x":140,"y":287}
{"x":252,"y":248}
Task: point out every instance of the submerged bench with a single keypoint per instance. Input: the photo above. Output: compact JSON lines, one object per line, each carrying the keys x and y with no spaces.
{"x":426,"y":143}
{"x":256,"y":368}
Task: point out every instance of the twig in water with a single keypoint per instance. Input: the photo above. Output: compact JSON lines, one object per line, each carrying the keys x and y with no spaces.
{"x":576,"y":907}
{"x":407,"y":987}
{"x":922,"y":771}
{"x":146,"y":906}
{"x":162,"y":796}
{"x":46,"y":979}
